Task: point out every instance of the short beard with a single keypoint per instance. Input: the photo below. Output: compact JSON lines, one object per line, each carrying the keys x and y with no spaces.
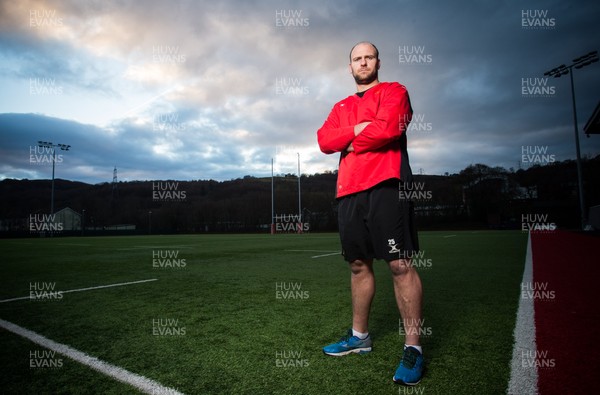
{"x":366,"y":80}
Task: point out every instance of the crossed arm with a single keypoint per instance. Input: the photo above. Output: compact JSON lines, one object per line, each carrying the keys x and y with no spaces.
{"x":357,"y":129}
{"x":387,"y":124}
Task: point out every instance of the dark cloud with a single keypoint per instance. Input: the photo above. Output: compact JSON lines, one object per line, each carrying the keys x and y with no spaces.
{"x":241,"y":89}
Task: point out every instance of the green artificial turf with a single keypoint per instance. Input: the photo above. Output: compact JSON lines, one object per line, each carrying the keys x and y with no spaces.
{"x":249,"y":314}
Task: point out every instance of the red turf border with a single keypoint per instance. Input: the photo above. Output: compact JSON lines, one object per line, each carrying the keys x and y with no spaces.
{"x":567,"y":315}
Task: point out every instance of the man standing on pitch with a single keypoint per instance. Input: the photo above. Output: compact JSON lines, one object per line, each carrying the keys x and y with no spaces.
{"x":369,"y":130}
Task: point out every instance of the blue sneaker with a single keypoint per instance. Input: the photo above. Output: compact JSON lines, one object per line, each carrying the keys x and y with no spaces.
{"x":410,"y":370}
{"x":349,"y":344}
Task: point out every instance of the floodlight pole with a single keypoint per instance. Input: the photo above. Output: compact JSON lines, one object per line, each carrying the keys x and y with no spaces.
{"x":272,"y":200}
{"x":299,"y":199}
{"x":63,"y":147}
{"x":52,"y":189}
{"x":578,"y":151}
{"x":556,"y":72}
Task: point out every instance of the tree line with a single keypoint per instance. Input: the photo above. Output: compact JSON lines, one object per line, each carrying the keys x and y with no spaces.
{"x":479,"y":196}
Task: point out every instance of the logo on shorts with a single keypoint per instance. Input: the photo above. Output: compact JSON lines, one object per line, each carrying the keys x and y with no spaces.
{"x":393,"y":246}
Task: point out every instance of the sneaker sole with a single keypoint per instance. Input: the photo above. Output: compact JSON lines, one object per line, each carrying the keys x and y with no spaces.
{"x":363,"y":350}
{"x":404,"y":383}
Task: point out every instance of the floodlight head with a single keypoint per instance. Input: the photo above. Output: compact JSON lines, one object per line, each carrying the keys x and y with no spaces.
{"x":586,"y":60}
{"x":588,"y":56}
{"x":578,"y":59}
{"x":580,"y":65}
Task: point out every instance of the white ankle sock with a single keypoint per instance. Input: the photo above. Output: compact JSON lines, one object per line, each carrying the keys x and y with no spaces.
{"x":418,"y":348}
{"x":361,"y":336}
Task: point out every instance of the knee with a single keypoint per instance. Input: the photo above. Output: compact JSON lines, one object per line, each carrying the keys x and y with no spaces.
{"x":400,"y":267}
{"x":359,"y":267}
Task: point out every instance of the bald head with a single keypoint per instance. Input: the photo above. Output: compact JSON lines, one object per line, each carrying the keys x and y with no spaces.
{"x":362,"y":43}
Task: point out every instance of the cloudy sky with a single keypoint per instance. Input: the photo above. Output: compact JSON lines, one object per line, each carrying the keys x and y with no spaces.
{"x":190,"y":90}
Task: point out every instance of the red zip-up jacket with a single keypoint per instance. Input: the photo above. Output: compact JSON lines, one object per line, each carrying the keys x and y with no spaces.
{"x":380,"y":148}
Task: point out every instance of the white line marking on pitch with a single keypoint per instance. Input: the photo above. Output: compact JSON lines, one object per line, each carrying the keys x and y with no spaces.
{"x":85,"y":289}
{"x":333,"y":253}
{"x":445,"y":237}
{"x":308,"y":250}
{"x":153,"y":247}
{"x":142,"y":383}
{"x":524,"y":380}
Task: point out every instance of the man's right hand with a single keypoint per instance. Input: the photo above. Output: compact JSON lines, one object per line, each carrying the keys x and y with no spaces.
{"x":360,"y":127}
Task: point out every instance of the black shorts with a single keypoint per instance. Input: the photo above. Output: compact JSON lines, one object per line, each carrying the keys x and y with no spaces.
{"x":377,"y":224}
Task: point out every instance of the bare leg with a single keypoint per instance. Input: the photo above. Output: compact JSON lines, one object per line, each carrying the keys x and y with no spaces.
{"x":363,"y":289}
{"x":409,"y":295}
